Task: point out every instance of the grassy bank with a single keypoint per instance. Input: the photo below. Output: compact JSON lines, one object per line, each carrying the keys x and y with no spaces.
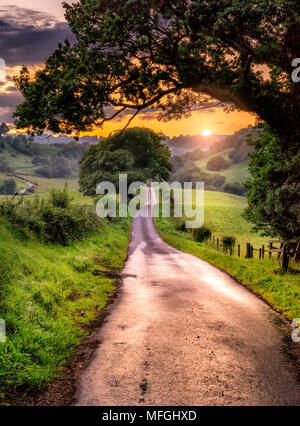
{"x":223,"y":214}
{"x":48,"y":293}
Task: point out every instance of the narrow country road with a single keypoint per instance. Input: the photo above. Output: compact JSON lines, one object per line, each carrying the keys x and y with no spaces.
{"x":183,"y":333}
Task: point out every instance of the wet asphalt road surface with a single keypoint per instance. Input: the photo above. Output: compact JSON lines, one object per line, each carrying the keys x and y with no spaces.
{"x":181,"y":332}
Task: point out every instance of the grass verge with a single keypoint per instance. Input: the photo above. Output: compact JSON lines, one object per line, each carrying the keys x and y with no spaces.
{"x":281,"y":291}
{"x":48,"y":295}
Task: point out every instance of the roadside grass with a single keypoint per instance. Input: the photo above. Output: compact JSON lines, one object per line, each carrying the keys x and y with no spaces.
{"x":262,"y":276}
{"x":48,"y":295}
{"x":223,"y":215}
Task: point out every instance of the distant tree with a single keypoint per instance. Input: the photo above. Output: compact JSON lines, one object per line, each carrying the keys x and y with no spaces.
{"x":177,"y":162}
{"x":38,"y":160}
{"x":57,"y":168}
{"x":139,"y":152}
{"x":8,"y":187}
{"x":44,"y":172}
{"x":191,"y":173}
{"x":234,"y":188}
{"x":4,"y":165}
{"x":216,"y":164}
{"x":195,"y":155}
{"x":3,"y":129}
{"x":8,"y":139}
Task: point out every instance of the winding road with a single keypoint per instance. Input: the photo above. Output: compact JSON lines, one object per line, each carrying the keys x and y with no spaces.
{"x":181,"y":332}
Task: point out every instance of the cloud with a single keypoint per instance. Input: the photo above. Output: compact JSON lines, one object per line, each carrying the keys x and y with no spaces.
{"x":10,"y":99}
{"x":6,"y":114}
{"x":28,"y":36}
{"x":8,"y":103}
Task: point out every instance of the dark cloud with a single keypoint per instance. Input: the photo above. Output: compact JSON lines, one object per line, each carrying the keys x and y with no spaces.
{"x":8,"y":103}
{"x":28,"y":36}
{"x":10,"y":99}
{"x":6,"y":115}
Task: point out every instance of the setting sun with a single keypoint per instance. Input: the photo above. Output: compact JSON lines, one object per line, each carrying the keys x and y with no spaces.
{"x":207,"y":132}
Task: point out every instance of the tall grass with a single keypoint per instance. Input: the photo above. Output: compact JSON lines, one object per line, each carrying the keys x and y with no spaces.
{"x":47,"y":294}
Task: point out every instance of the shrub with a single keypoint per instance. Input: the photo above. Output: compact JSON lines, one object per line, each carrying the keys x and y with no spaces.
{"x":58,"y":168}
{"x":180,"y":224}
{"x":216,"y":164}
{"x":31,"y":190}
{"x":8,"y":187}
{"x":43,"y":171}
{"x":234,"y":188}
{"x":228,"y":242}
{"x":201,"y":234}
{"x":38,"y":160}
{"x":4,"y":166}
{"x":61,"y":197}
{"x":53,"y":220}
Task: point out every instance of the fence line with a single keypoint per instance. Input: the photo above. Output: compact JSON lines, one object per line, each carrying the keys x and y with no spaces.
{"x":287,"y":250}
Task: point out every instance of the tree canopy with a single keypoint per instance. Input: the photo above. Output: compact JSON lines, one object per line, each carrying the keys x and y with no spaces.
{"x":138,"y":152}
{"x":173,"y":55}
{"x":274,"y":188}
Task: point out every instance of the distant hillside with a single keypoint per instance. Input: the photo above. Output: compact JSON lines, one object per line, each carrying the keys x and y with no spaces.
{"x":62,"y":139}
{"x":185,"y":143}
{"x":223,"y":167}
{"x":20,"y":155}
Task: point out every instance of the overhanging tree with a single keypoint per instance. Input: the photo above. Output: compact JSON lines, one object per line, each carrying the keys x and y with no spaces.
{"x":170,"y":55}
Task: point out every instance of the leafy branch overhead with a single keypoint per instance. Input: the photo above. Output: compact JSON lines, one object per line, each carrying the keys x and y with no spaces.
{"x":170,"y":55}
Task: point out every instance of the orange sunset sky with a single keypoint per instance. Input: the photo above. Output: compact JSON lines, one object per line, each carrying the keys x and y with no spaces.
{"x":48,"y":16}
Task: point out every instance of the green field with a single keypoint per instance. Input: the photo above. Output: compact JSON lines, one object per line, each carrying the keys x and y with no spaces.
{"x":235,"y":173}
{"x":49,"y":293}
{"x":223,"y":216}
{"x":44,"y":184}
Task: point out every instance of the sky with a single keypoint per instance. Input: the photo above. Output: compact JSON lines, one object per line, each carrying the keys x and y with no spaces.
{"x":30,"y":31}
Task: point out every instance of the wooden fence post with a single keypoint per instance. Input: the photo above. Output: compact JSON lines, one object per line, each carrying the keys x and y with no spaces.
{"x":285,"y":258}
{"x":248,"y":251}
{"x":251,"y":252}
{"x":239,"y":250}
{"x":279,"y":253}
{"x":270,"y":248}
{"x":217,"y":243}
{"x":263,"y":252}
{"x":260,"y":251}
